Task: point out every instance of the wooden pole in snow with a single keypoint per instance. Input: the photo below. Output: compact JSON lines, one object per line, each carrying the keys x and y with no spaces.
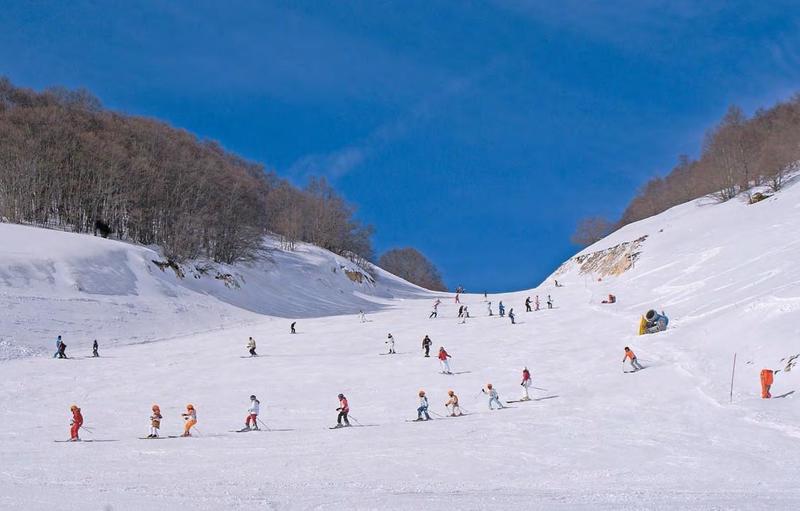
{"x":733,"y":371}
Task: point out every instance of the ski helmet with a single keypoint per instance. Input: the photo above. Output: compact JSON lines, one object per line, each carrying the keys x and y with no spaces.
{"x":421,"y":393}
{"x":450,"y":392}
{"x":253,"y":396}
{"x":341,"y":396}
{"x":190,"y":407}
{"x":488,"y":385}
{"x":73,"y":407}
{"x":156,"y":408}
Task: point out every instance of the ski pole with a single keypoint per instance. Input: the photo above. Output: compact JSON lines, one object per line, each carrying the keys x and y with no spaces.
{"x":436,"y":414}
{"x":263,"y":424}
{"x":354,"y":419}
{"x":90,"y":430}
{"x":539,"y":388}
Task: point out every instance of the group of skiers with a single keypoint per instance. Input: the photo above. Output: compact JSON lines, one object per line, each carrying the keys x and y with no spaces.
{"x":61,"y":349}
{"x":463,"y":310}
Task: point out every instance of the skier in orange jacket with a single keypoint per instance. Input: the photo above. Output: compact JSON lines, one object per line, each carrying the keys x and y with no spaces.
{"x":191,"y":419}
{"x":767,"y":376}
{"x":77,"y":422}
{"x":629,"y":354}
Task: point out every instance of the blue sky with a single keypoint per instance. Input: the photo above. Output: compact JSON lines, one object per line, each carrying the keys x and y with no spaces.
{"x":478,"y":132}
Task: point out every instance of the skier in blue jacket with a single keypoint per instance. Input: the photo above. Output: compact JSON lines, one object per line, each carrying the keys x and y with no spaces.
{"x":423,"y":407}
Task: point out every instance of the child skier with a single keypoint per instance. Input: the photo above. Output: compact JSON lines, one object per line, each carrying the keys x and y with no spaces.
{"x":343,"y":410}
{"x":155,"y":422}
{"x":390,"y":342}
{"x":443,"y":356}
{"x":453,"y":402}
{"x":490,"y":309}
{"x":252,"y":414}
{"x":426,"y":345}
{"x":511,"y":316}
{"x":493,"y":397}
{"x":536,"y":303}
{"x":95,"y":349}
{"x":634,"y":361}
{"x":58,"y":347}
{"x":362,"y":317}
{"x":526,"y":382}
{"x":251,"y":347}
{"x":423,"y":407}
{"x":191,"y":419}
{"x":528,"y":304}
{"x":62,"y":349}
{"x":75,"y":423}
{"x":292,"y":330}
{"x":502,"y":309}
{"x":460,"y":311}
{"x":549,"y":302}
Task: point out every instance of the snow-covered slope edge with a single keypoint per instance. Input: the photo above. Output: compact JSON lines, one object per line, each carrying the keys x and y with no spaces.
{"x":85,"y":287}
{"x":727,"y":275}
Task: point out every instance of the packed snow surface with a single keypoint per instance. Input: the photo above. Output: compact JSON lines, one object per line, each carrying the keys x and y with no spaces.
{"x":667,"y":437}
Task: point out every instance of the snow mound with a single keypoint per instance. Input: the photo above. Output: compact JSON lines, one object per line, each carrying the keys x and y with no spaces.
{"x":84,"y":288}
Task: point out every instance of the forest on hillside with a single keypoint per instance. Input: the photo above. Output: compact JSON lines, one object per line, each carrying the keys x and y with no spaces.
{"x":738,"y":154}
{"x":66,"y":162}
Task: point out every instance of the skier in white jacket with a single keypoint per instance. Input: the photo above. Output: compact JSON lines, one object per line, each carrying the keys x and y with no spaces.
{"x":252,"y":414}
{"x":493,"y":397}
{"x":251,"y":347}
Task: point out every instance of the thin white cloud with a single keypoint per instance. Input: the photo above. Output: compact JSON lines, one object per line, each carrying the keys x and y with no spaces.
{"x":340,"y":162}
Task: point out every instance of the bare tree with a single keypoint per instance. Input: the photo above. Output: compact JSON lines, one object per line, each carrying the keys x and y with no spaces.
{"x":590,"y":230}
{"x":409,"y":264}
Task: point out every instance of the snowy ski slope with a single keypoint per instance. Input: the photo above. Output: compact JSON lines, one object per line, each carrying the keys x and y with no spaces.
{"x":663,"y":438}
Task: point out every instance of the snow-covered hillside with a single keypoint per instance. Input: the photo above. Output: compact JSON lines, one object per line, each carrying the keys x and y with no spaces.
{"x":594,"y":437}
{"x":84,"y":288}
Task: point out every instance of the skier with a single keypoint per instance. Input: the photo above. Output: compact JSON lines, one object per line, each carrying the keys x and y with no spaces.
{"x":155,"y":422}
{"x":343,"y":410}
{"x":293,"y":331}
{"x":460,"y":311}
{"x":251,"y":347}
{"x":426,"y":345}
{"x":493,"y":397}
{"x":435,"y":312}
{"x":549,"y":302}
{"x":502,"y":309}
{"x":443,"y":356}
{"x":528,"y":304}
{"x":95,"y":349}
{"x":362,"y":317}
{"x":252,"y":414}
{"x":62,"y":349}
{"x":390,"y":342}
{"x":457,"y":298}
{"x":634,"y":361}
{"x":58,"y":347}
{"x":526,"y":382}
{"x":767,"y":378}
{"x":466,"y":311}
{"x":511,"y":316}
{"x":423,"y":407}
{"x":490,"y":309}
{"x":191,"y":419}
{"x":464,"y":316}
{"x":75,"y":423}
{"x":536,"y":303}
{"x":453,"y":402}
